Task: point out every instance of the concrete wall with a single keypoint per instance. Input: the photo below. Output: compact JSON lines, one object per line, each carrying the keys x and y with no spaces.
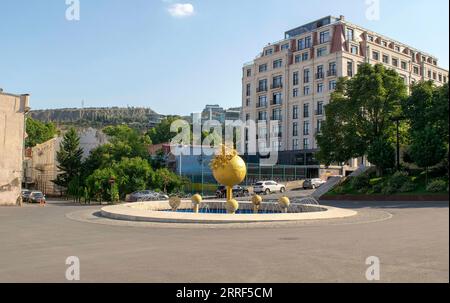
{"x":12,"y":120}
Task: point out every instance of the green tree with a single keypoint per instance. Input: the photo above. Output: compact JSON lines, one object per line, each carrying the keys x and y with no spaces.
{"x":39,"y":132}
{"x":133,"y":175}
{"x":360,"y":112}
{"x":427,"y":111}
{"x":382,"y":154}
{"x":167,"y":181}
{"x":69,"y":160}
{"x":428,"y":148}
{"x":161,"y":133}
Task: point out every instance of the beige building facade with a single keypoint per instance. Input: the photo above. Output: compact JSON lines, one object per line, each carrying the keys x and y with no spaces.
{"x":291,"y":80}
{"x":12,"y":136}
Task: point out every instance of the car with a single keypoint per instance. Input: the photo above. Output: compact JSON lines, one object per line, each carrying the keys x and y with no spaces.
{"x":313,"y":183}
{"x":26,"y":194}
{"x":147,"y":195}
{"x":36,"y":197}
{"x":238,"y":191}
{"x":268,"y":187}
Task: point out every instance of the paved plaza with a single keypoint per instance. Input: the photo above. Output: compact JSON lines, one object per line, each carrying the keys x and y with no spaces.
{"x":411,"y":239}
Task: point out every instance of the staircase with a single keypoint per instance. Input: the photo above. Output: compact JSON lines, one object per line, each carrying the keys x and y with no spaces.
{"x":334,"y":181}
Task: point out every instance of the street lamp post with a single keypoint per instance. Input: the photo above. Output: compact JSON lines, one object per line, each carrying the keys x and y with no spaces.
{"x":397,"y":120}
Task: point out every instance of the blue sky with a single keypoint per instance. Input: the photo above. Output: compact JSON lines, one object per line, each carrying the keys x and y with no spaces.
{"x":174,"y":59}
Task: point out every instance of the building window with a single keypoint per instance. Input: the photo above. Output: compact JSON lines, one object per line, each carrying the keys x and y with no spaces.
{"x":295,"y":144}
{"x":308,"y":42}
{"x":376,"y":56}
{"x":249,"y":73}
{"x":285,"y":46}
{"x":416,"y":70}
{"x":319,"y":110}
{"x":306,"y":90}
{"x":354,"y":50}
{"x":429,"y":74}
{"x":295,"y":92}
{"x":263,"y":68}
{"x":319,"y":126}
{"x":298,"y":58}
{"x":350,"y":34}
{"x":332,"y":69}
{"x":306,"y":110}
{"x":295,"y":129}
{"x":295,"y":112}
{"x":262,"y":101}
{"x":247,"y":102}
{"x":276,"y":114}
{"x":319,"y":72}
{"x":321,"y":52}
{"x":248,"y":90}
{"x":385,"y":59}
{"x":395,"y":62}
{"x":277,"y":63}
{"x":306,"y":76}
{"x":350,"y":69}
{"x":440,"y":78}
{"x":324,"y":37}
{"x":295,"y":78}
{"x":384,"y":43}
{"x":262,"y":85}
{"x":370,"y":38}
{"x":332,"y":85}
{"x":301,"y":44}
{"x":277,"y":99}
{"x":404,"y":65}
{"x":277,"y":82}
{"x":269,"y":52}
{"x":305,"y":143}
{"x":397,"y":48}
{"x":319,"y":88}
{"x":305,"y":128}
{"x":262,"y":116}
{"x":305,"y":56}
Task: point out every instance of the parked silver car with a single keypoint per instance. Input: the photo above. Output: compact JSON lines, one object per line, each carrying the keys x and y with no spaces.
{"x":313,"y":183}
{"x":268,"y":187}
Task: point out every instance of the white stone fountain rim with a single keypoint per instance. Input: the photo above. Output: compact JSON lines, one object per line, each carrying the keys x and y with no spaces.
{"x":136,"y":212}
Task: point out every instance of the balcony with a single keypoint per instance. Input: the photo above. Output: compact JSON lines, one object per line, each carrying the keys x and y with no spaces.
{"x":331,"y":73}
{"x":261,"y":104}
{"x":276,"y":118}
{"x":319,"y":112}
{"x":276,"y":86}
{"x":319,"y":75}
{"x":276,"y":102}
{"x":261,"y":89}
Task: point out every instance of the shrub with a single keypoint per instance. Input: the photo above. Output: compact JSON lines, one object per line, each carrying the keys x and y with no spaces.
{"x":398,"y":179}
{"x":389,"y":190}
{"x":339,"y":190}
{"x":377,"y":188}
{"x":407,"y":187}
{"x":436,"y":186}
{"x":360,"y":182}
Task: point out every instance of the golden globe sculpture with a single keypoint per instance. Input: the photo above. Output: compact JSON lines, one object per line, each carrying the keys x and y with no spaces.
{"x":232,"y":206}
{"x":175,"y":203}
{"x":256,"y":200}
{"x":196,"y":200}
{"x":228,"y":169}
{"x":284,"y":203}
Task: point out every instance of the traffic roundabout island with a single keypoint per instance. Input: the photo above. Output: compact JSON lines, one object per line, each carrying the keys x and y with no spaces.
{"x":221,"y":212}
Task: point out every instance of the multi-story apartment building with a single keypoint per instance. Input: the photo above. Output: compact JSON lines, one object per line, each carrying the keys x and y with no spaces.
{"x":291,"y":80}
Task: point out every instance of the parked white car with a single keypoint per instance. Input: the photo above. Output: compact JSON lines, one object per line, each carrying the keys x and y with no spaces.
{"x":268,"y":187}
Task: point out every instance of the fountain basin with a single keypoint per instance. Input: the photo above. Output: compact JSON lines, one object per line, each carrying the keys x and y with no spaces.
{"x":160,"y":211}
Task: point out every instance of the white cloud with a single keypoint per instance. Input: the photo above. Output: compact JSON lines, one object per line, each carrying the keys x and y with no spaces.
{"x":181,"y":10}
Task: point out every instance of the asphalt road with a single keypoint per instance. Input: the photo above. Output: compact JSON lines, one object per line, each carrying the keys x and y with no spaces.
{"x":413,"y":246}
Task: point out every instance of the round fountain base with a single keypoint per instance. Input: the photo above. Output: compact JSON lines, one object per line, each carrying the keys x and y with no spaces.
{"x":210,"y":212}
